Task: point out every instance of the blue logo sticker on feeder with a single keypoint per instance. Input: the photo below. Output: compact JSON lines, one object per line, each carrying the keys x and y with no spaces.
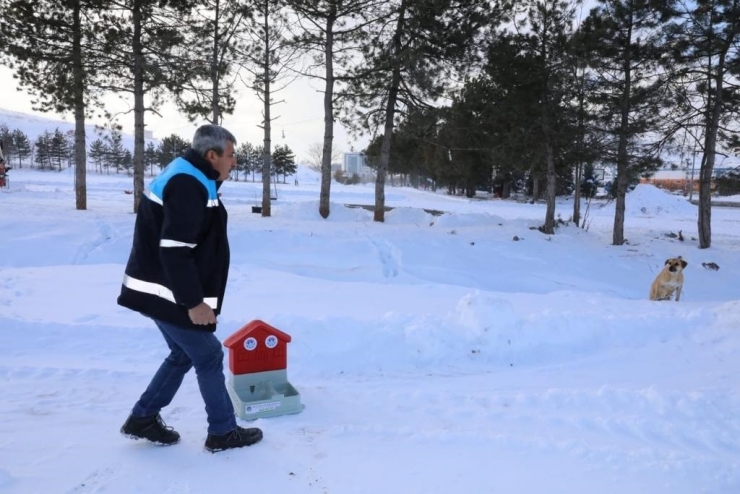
{"x":271,"y":341}
{"x":250,"y":344}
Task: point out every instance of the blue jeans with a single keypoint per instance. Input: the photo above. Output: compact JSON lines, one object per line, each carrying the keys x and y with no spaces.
{"x":190,"y":348}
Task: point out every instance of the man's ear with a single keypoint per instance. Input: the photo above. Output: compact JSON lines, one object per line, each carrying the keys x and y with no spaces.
{"x":211,"y":155}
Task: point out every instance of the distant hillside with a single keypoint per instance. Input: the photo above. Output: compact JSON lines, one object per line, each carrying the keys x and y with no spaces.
{"x":35,"y":125}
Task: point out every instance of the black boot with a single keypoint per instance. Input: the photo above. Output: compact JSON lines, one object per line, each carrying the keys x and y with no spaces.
{"x":152,"y":429}
{"x":238,"y":438}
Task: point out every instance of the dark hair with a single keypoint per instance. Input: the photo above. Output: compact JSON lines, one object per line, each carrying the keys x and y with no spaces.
{"x":212,"y":137}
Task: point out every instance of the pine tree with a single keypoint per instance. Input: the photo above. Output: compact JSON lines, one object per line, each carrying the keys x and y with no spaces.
{"x":170,"y":148}
{"x":58,"y":148}
{"x":706,"y":66}
{"x":43,"y":156}
{"x":116,"y":152}
{"x":50,"y":46}
{"x":146,"y":48}
{"x":150,"y":157}
{"x":207,"y":91}
{"x":22,"y":146}
{"x":406,"y":62}
{"x":587,"y":136}
{"x":411,"y":141}
{"x":332,"y":31}
{"x":127,"y":161}
{"x":545,"y":36}
{"x":268,"y":59}
{"x":98,"y":154}
{"x":283,"y":160}
{"x":624,"y":41}
{"x":492,"y":131}
{"x":465,"y":132}
{"x":246,"y":155}
{"x":256,"y":160}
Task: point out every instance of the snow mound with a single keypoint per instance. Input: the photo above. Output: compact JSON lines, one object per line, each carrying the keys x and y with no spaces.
{"x":408,"y":216}
{"x":307,"y":175}
{"x":648,"y":200}
{"x":309,"y":210}
{"x":456,"y":220}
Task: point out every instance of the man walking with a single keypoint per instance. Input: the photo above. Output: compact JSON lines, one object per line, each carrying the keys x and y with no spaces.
{"x":176,"y":275}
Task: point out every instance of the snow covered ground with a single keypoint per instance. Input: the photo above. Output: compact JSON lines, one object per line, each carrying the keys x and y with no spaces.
{"x":434,"y":354}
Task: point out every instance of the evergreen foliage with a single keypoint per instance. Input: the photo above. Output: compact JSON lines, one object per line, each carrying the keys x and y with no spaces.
{"x":150,"y":157}
{"x":208,"y":91}
{"x":704,"y":63}
{"x":50,"y":45}
{"x":729,"y":183}
{"x":332,"y":32}
{"x":248,"y":160}
{"x":624,"y":41}
{"x":406,"y":63}
{"x":99,"y":154}
{"x":268,"y":60}
{"x":468,"y":95}
{"x":22,"y":146}
{"x":170,"y":148}
{"x":146,"y":54}
{"x":283,"y":161}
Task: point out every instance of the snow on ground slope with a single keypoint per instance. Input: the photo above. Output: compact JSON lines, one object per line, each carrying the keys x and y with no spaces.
{"x":465,"y":352}
{"x":34,"y":126}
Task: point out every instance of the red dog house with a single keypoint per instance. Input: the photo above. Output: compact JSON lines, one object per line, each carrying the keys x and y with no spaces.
{"x":258,"y":378}
{"x":257,"y":347}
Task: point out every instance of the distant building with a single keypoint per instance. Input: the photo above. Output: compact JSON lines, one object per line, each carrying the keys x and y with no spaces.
{"x":674,"y":180}
{"x":354,"y":163}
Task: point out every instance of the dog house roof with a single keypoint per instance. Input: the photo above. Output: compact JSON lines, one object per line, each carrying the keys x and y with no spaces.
{"x":238,"y":337}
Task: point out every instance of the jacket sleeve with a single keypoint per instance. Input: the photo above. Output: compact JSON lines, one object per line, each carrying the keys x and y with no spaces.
{"x":184,"y":209}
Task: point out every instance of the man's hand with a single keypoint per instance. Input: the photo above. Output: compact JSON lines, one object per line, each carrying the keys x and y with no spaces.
{"x":202,"y":314}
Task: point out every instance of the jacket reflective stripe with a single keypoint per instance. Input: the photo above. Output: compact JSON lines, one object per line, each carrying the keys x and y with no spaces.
{"x":150,"y":195}
{"x":160,"y":291}
{"x":175,"y":243}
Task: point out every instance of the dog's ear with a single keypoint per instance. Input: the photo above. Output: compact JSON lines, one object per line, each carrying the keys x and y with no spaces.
{"x":683,"y":263}
{"x":667,"y":261}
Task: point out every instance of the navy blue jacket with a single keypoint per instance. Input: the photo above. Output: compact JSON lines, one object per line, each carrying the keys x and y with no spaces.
{"x":180,"y":253}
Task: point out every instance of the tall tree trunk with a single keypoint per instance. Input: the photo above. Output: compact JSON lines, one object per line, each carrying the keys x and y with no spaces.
{"x":328,"y":117}
{"x":710,"y":141}
{"x":580,"y":147}
{"x":622,"y":158}
{"x":577,"y":193}
{"x":549,"y":226}
{"x":216,"y":120}
{"x":266,"y":156}
{"x":707,"y":167}
{"x":535,"y":188}
{"x":622,"y":182}
{"x":138,"y":106}
{"x":79,"y":102}
{"x":390,"y":110}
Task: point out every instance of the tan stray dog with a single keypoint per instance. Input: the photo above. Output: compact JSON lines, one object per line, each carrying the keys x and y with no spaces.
{"x":669,"y":280}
